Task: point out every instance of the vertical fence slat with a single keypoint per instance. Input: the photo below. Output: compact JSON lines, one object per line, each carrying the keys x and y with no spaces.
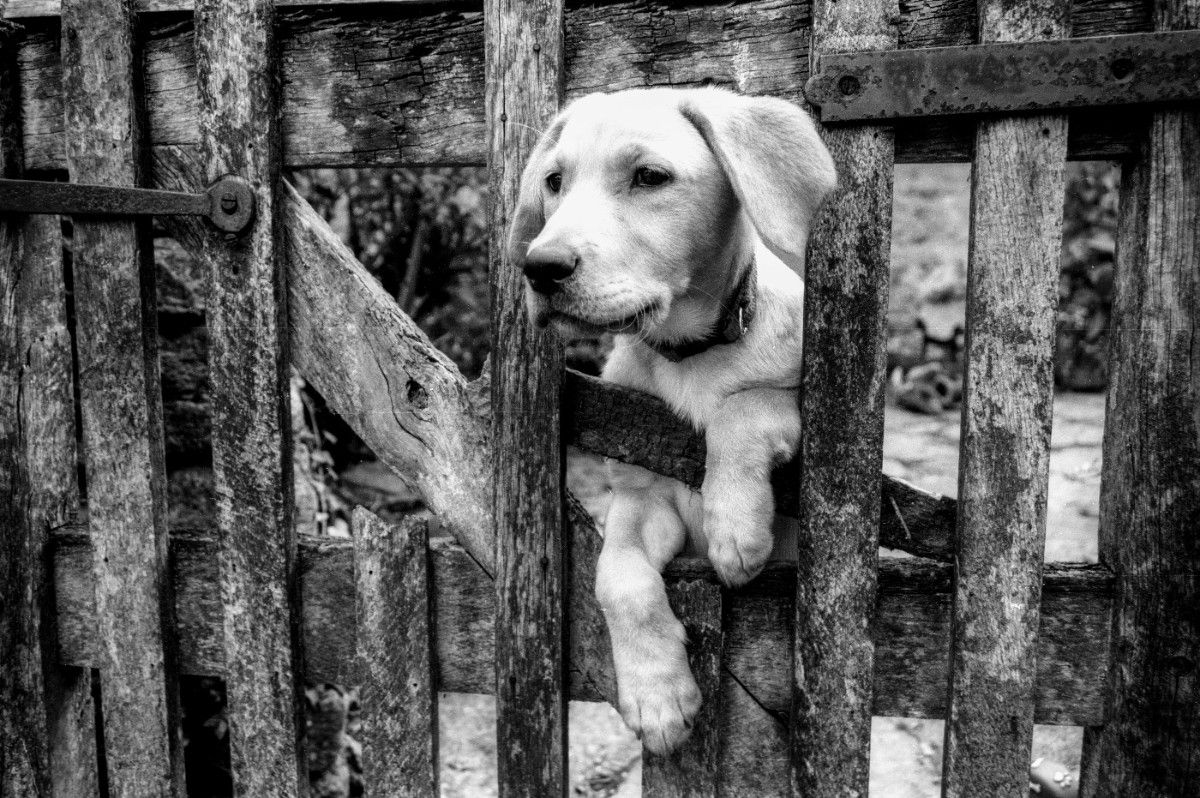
{"x":692,"y":771}
{"x":116,"y":323}
{"x":1012,"y":294}
{"x":846,"y":281}
{"x":524,"y":56}
{"x":251,"y":438}
{"x":47,"y":732}
{"x":1150,"y":499}
{"x":395,"y":653}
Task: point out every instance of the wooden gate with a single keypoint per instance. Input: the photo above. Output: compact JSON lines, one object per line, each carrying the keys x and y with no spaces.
{"x":974,"y":628}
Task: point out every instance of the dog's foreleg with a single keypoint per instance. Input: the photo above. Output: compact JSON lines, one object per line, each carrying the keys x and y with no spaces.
{"x":657,"y":695}
{"x":750,"y":432}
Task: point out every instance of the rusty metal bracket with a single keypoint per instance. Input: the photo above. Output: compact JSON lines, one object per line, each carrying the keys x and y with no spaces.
{"x":1129,"y":69}
{"x":228,"y":203}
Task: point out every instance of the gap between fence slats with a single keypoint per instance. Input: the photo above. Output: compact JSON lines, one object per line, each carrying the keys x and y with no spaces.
{"x":524,"y":61}
{"x":846,"y":282}
{"x":343,"y":69}
{"x":47,"y":732}
{"x":122,"y":410}
{"x":1150,"y":494}
{"x":694,"y":770}
{"x":251,"y":425}
{"x":1018,"y":185}
{"x":394,"y":656}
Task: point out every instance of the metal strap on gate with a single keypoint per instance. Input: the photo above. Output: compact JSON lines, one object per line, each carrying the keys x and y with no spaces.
{"x":228,"y":203}
{"x":1129,"y":69}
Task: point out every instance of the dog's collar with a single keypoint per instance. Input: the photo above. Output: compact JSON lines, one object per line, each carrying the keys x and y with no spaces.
{"x":737,"y":312}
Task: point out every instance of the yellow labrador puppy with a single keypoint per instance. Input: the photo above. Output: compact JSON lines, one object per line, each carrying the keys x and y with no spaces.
{"x":678,"y":219}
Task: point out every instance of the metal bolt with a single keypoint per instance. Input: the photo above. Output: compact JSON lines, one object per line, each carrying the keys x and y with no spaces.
{"x":229,"y":202}
{"x":849,"y":85}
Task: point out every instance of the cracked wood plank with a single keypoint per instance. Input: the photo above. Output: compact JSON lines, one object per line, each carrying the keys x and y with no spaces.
{"x":524,"y":79}
{"x":841,"y":452}
{"x":251,"y":425}
{"x":47,"y":734}
{"x":122,"y":410}
{"x":394,"y":84}
{"x":394,"y":656}
{"x":1018,"y":185}
{"x":1150,"y":497}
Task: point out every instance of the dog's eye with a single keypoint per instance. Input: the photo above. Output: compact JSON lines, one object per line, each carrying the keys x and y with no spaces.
{"x":649,"y":176}
{"x":554,"y":182}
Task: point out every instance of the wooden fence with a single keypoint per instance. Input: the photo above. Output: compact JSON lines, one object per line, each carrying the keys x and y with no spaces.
{"x":974,"y":628}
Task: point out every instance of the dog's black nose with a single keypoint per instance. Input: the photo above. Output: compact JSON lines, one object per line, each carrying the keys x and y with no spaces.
{"x":547,"y":266}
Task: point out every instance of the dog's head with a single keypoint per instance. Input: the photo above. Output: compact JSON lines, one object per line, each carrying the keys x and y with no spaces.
{"x":635,"y":201}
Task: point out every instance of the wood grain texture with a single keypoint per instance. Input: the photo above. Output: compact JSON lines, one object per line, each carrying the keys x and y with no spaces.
{"x":635,"y":427}
{"x":912,"y":617}
{"x":390,"y":84}
{"x":524,"y":61}
{"x":694,"y":770}
{"x":1150,"y":500}
{"x":394,"y":656}
{"x":1012,"y":300}
{"x":47,"y":735}
{"x":841,"y":452}
{"x":121,"y":407}
{"x":251,"y":428}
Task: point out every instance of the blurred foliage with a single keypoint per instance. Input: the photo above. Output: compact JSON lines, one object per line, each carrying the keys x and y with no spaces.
{"x":1085,"y":289}
{"x":423,"y":234}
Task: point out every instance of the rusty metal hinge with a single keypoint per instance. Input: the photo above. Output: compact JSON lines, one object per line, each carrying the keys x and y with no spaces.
{"x":1129,"y":69}
{"x":228,"y":203}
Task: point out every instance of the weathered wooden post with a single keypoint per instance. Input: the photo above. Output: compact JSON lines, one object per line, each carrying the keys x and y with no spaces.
{"x":116,"y":336}
{"x":524,"y":46}
{"x":248,"y":367}
{"x":1008,"y":404}
{"x":1150,"y":498}
{"x":846,"y":284}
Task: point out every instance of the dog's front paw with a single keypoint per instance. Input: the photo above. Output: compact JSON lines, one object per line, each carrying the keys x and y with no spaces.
{"x":739,"y":555}
{"x":658,"y":704}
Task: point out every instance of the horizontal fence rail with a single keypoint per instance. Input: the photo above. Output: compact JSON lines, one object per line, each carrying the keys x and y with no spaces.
{"x":912,"y":619}
{"x":342,"y":70}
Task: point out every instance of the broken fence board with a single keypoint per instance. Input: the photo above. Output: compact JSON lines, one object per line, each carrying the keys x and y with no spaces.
{"x":394,"y":656}
{"x":1018,"y":186}
{"x":251,"y":424}
{"x":122,"y":410}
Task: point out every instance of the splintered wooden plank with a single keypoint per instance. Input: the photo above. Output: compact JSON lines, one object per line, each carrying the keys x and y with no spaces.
{"x":1012,"y":296}
{"x":524,"y":52}
{"x":116,"y":326}
{"x":394,"y":654}
{"x":694,"y":770}
{"x":1150,"y":495}
{"x":251,"y":438}
{"x":47,"y":733}
{"x":846,"y":282}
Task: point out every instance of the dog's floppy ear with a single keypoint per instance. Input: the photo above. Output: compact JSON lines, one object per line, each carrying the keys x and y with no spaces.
{"x":529,"y":218}
{"x":774,"y":158}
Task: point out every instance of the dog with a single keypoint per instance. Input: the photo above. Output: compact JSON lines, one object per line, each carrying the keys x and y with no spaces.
{"x":677,"y":219}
